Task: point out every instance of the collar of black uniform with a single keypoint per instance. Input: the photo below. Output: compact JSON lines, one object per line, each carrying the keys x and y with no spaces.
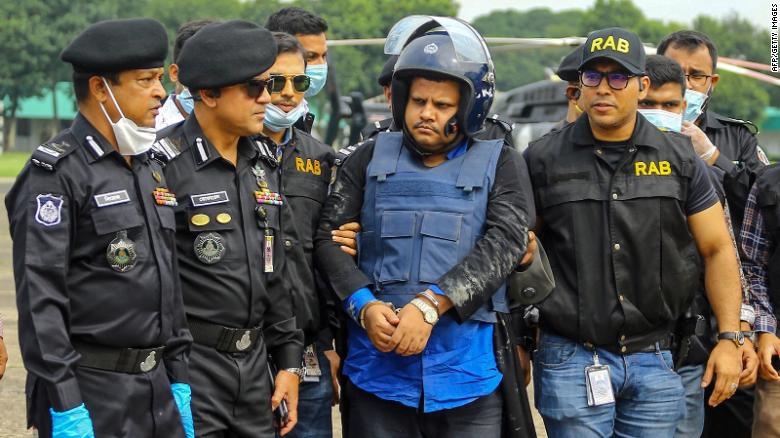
{"x":90,"y":139}
{"x":711,"y":121}
{"x":202,"y":150}
{"x":645,"y":133}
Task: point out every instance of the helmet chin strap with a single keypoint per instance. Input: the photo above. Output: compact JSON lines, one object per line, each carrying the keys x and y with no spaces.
{"x":450,"y":128}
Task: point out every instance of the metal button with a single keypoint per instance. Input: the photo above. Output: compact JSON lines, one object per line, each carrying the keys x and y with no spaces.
{"x":288,"y":244}
{"x":614,"y":196}
{"x":623,"y":349}
{"x":631,"y":149}
{"x":620,"y":297}
{"x":622,"y":338}
{"x":617,"y":247}
{"x":599,"y":151}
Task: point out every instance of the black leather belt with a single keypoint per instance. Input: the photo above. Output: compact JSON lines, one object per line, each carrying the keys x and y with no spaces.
{"x":662,"y":344}
{"x":226,"y":339}
{"x":121,"y":360}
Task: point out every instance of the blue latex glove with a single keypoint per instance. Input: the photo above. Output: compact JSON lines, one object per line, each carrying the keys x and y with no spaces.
{"x":182,"y":395}
{"x":73,"y":423}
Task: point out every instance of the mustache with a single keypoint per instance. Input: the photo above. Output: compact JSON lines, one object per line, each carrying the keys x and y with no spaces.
{"x":284,"y":102}
{"x":427,"y":126}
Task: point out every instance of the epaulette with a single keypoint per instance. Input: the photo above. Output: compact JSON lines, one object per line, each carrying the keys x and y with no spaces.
{"x":343,"y":153}
{"x":503,"y":124}
{"x":746,"y":123}
{"x":265,"y":151}
{"x":166,"y":149}
{"x":48,"y":154}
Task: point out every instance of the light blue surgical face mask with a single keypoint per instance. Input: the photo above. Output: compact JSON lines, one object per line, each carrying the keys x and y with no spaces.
{"x":663,"y":120}
{"x":186,"y":101}
{"x":696,"y":101}
{"x":318,"y":74}
{"x":277,"y":120}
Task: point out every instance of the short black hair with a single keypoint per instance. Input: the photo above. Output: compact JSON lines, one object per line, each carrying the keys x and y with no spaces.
{"x":185,"y":32}
{"x":286,"y":43}
{"x":81,"y":83}
{"x":663,"y":70}
{"x":296,"y":21}
{"x":689,"y":40}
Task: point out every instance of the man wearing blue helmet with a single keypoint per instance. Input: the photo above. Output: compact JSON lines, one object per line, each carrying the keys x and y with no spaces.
{"x":444,"y":223}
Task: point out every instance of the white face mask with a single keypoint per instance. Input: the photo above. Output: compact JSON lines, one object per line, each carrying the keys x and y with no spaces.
{"x":277,"y":120}
{"x":131,"y":138}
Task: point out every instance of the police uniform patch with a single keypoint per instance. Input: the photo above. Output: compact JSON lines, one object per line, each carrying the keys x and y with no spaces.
{"x":49,"y":211}
{"x":112,"y":198}
{"x":209,"y":247}
{"x":121,"y":253}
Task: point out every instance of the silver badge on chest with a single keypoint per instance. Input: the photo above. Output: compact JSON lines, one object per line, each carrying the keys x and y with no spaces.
{"x":121,"y":254}
{"x":209,"y":247}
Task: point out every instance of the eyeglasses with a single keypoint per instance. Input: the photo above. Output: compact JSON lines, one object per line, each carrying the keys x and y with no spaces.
{"x":615,"y":80}
{"x":255,"y":87}
{"x":697,"y":79}
{"x":300,"y":83}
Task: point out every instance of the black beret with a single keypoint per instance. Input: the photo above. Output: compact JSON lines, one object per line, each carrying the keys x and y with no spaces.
{"x":118,"y":45}
{"x":386,"y":76}
{"x":226,"y":53}
{"x":567,"y":71}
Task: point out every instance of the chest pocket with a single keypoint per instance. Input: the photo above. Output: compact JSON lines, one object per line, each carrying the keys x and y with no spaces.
{"x":441,"y":234}
{"x":397,"y":240}
{"x":115,"y":218}
{"x":167,"y":217}
{"x":297,"y":184}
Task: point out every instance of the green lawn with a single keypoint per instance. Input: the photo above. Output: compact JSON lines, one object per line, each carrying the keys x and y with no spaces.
{"x":11,"y":163}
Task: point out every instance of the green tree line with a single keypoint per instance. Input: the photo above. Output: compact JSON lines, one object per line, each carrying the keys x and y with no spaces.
{"x":35,"y":31}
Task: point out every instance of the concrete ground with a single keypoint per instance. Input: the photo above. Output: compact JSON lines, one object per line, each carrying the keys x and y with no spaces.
{"x":12,"y":399}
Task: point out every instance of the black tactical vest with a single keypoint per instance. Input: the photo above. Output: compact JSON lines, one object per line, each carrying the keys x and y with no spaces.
{"x":625,"y":263}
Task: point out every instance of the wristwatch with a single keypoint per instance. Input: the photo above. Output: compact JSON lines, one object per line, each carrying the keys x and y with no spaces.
{"x":737,"y":337}
{"x":430,"y":315}
{"x":297,"y":371}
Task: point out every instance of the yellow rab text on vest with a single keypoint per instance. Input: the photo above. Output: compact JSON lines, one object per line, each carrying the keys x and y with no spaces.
{"x":662,"y":168}
{"x":309,"y":166}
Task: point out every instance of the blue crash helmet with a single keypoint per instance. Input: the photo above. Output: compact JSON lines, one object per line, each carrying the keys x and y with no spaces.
{"x":446,"y":48}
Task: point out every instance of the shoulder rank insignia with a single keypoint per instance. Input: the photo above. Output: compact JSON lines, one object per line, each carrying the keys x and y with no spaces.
{"x":266,"y":153}
{"x":47,"y":155}
{"x":166,"y":148}
{"x":343,"y":153}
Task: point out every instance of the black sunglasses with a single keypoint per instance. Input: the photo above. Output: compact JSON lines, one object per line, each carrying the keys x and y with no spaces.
{"x":300,"y":83}
{"x":255,"y":87}
{"x":615,"y":80}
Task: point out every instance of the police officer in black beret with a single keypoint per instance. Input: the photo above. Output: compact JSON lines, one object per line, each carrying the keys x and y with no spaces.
{"x":228,"y":232}
{"x":625,"y":211}
{"x":101,"y":321}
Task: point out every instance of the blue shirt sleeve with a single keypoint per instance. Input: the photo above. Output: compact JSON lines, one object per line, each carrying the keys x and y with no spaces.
{"x":437,"y":290}
{"x":354,"y":304}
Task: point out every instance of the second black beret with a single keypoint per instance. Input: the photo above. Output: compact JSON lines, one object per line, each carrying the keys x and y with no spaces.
{"x":226,"y":53}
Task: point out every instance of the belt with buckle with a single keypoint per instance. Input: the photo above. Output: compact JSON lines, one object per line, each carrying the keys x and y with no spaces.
{"x":118,"y":359}
{"x":225,"y":339}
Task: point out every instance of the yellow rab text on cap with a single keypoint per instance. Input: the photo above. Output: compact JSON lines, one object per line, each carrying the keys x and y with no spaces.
{"x":662,"y":168}
{"x":622,"y":46}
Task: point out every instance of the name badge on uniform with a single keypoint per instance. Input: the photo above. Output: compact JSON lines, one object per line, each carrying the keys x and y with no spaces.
{"x":112,"y":198}
{"x":209,"y":198}
{"x":598,"y":383}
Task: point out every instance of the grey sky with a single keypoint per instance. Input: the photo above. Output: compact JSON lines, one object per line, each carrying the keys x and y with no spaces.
{"x":757,"y":11}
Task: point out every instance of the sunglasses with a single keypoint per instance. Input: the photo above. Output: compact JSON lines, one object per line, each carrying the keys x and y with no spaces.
{"x":615,"y":80}
{"x":300,"y":83}
{"x":255,"y":87}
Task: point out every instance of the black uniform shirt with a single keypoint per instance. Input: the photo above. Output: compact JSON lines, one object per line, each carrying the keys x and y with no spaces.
{"x":616,"y":232}
{"x":65,"y":213}
{"x":224,"y":282}
{"x":305,"y":174}
{"x":740,"y":158}
{"x":471,"y":282}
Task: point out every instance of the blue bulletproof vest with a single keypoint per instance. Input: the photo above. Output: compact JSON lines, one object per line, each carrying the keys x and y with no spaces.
{"x":420,"y":222}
